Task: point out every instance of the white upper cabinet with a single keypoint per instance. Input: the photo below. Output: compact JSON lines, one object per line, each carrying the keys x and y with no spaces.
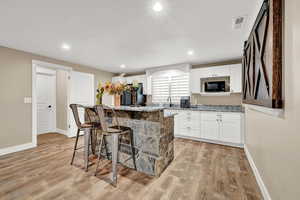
{"x":120,"y":79}
{"x":236,"y":78}
{"x":234,"y":71}
{"x":218,"y":71}
{"x":195,"y":81}
{"x":197,"y":74}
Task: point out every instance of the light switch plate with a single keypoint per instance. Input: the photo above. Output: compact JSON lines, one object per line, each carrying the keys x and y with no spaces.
{"x":27,"y":100}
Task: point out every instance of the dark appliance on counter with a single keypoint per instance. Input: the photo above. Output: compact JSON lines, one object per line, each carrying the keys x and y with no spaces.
{"x":133,"y":97}
{"x":185,"y":102}
{"x":126,"y":98}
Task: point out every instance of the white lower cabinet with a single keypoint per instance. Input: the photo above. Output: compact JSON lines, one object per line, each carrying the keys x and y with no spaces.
{"x":221,"y":127}
{"x":210,"y":130}
{"x":230,"y":132}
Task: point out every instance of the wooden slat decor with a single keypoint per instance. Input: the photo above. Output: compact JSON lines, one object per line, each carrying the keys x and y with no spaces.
{"x":262,"y":60}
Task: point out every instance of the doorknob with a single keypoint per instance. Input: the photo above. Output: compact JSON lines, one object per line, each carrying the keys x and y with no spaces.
{"x":49,"y":106}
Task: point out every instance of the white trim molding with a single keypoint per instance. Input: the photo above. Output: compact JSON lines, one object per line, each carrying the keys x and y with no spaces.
{"x":51,"y":65}
{"x":61,"y":131}
{"x":35,"y":64}
{"x":275,"y":112}
{"x":17,"y":148}
{"x":257,"y":175}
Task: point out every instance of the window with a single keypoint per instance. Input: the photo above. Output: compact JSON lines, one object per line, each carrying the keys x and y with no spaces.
{"x":174,"y":86}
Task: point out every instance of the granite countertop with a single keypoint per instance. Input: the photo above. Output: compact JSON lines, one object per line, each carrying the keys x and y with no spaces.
{"x":138,"y":108}
{"x":215,"y":108}
{"x":154,"y":108}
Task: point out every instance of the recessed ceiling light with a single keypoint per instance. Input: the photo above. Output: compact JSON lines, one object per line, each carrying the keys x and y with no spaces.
{"x":123,"y":66}
{"x":157,"y":7}
{"x":65,"y":46}
{"x":190,"y":52}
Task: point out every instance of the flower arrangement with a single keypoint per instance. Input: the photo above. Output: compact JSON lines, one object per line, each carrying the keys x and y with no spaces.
{"x":109,"y":88}
{"x":135,"y":85}
{"x":100,"y":93}
{"x":114,"y":88}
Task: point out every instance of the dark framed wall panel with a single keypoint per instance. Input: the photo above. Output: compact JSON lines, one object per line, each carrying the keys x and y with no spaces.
{"x":262,"y":60}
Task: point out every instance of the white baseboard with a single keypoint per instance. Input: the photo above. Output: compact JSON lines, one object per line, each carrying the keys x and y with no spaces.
{"x":259,"y":180}
{"x":61,"y":131}
{"x":17,"y":148}
{"x":210,"y":141}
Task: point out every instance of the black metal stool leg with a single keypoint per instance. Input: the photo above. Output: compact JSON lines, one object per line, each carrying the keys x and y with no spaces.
{"x":75,"y":146}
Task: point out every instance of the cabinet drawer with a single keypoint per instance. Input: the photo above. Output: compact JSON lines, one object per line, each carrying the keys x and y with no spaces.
{"x":210,"y":116}
{"x":190,"y":115}
{"x":231,"y":117}
{"x":190,"y":132}
{"x":190,"y":125}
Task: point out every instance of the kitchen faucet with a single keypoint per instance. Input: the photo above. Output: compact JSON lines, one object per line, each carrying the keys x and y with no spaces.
{"x":169,"y":99}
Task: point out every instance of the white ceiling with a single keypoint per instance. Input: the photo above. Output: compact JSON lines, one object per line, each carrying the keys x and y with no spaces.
{"x":108,"y":33}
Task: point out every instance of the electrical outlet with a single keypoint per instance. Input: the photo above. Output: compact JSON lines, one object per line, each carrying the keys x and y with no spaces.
{"x":27,"y":100}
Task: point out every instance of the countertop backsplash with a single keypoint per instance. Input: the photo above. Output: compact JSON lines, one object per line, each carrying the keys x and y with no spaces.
{"x":197,"y":99}
{"x":232,"y":99}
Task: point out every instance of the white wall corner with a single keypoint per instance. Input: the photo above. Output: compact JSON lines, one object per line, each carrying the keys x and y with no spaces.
{"x":275,"y":112}
{"x":257,"y":175}
{"x":61,"y":131}
{"x":17,"y":148}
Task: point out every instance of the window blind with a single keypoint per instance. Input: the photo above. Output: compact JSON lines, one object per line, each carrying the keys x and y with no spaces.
{"x":173,"y":86}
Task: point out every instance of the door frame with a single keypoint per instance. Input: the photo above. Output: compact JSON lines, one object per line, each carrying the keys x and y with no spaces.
{"x":51,"y":73}
{"x":36,"y":63}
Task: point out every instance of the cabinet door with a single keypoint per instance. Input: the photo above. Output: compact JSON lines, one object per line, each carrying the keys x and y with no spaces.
{"x":230,"y":132}
{"x":210,"y":130}
{"x":236,"y":78}
{"x":210,"y":125}
{"x":230,"y":128}
{"x":219,"y":71}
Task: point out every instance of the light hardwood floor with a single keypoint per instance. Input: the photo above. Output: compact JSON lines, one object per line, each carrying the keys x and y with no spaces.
{"x":199,"y":171}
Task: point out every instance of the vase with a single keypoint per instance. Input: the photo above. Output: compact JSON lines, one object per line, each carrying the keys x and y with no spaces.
{"x":99,"y":101}
{"x":117,"y":100}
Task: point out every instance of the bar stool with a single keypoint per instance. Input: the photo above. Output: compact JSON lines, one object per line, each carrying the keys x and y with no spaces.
{"x":117,"y":133}
{"x":82,"y":127}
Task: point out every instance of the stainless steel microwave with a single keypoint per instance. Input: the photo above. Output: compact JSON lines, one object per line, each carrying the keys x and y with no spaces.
{"x":215,"y":85}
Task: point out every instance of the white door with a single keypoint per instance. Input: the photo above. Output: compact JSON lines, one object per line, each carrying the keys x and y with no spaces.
{"x":46,"y":101}
{"x":82,"y":92}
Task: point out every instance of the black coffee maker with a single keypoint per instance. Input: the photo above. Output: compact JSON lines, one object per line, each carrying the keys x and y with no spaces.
{"x":185,"y":102}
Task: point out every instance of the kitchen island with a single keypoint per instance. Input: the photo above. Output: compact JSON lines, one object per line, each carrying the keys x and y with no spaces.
{"x":153,"y":138}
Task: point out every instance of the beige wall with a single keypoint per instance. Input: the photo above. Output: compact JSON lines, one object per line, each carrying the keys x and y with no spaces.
{"x":62,"y":99}
{"x":233,"y":99}
{"x":274,"y":143}
{"x":15,"y":84}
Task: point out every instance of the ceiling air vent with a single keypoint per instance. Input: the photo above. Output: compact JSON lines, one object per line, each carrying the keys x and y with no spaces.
{"x":238,"y":22}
